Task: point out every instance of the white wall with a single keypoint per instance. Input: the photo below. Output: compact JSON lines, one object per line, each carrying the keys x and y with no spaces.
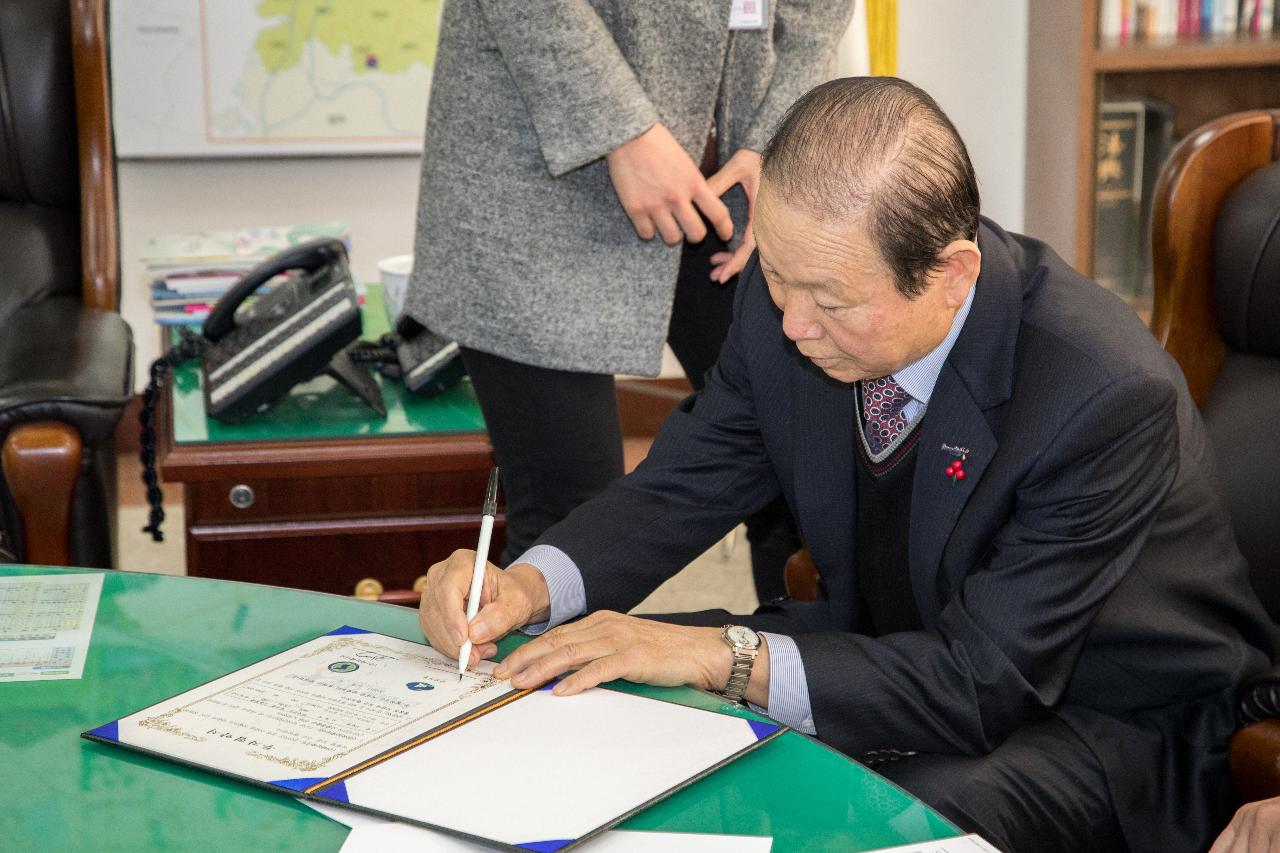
{"x":972,"y":57}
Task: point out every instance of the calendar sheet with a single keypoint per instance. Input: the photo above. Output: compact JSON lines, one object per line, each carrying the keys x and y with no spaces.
{"x":46,"y":622}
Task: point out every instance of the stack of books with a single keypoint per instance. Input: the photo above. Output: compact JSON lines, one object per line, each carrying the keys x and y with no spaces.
{"x":190,"y":272}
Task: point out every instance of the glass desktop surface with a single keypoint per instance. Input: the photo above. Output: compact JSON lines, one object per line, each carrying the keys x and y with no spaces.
{"x":156,"y":636}
{"x":321,"y":408}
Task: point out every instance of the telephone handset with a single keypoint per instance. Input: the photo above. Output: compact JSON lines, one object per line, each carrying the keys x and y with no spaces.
{"x":253,"y":354}
{"x":312,"y":255}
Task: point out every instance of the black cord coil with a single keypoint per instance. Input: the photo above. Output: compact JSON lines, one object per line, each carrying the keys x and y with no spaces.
{"x":189,"y":347}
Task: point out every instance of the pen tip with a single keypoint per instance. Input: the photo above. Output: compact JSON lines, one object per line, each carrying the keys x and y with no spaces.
{"x":459,"y":676}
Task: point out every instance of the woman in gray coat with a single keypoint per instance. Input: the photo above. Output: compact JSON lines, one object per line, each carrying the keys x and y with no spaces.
{"x":559,"y":182}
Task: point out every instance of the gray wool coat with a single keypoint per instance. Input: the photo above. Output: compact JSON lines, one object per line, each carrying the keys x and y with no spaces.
{"x":522,"y":249}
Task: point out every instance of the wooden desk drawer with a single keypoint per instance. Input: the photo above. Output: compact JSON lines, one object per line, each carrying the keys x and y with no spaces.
{"x":299,"y":499}
{"x":332,"y":555}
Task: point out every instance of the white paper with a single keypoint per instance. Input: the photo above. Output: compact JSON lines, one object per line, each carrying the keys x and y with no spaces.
{"x":46,"y":623}
{"x":962,"y":844}
{"x":371,"y":834}
{"x":596,"y":756}
{"x":315,"y":710}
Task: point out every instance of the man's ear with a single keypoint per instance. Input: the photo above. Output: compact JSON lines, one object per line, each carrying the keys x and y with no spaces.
{"x":961,"y":261}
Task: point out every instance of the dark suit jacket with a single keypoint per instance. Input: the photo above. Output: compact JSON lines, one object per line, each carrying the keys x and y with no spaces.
{"x":1084,"y":567}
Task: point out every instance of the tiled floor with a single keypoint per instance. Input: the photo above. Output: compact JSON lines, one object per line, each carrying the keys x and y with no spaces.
{"x":719,"y":578}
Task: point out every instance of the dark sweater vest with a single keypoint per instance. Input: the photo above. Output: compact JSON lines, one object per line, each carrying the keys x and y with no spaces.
{"x":883,"y":488}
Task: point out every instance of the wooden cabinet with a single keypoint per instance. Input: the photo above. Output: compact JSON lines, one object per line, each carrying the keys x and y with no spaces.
{"x":1071,"y":71}
{"x":324,"y":514}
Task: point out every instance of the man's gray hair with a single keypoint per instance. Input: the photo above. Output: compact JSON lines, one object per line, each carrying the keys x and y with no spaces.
{"x":880,"y":149}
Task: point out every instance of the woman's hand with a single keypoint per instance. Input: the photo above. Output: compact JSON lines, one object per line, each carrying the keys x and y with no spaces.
{"x":661,"y":190}
{"x":743,"y":168}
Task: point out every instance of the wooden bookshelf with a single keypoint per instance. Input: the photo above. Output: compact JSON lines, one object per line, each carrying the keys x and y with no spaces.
{"x":1237,"y":52}
{"x":1071,"y":72}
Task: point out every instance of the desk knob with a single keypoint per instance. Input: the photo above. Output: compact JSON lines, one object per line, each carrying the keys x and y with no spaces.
{"x":241,"y":496}
{"x":368,"y":589}
{"x":420,"y":584}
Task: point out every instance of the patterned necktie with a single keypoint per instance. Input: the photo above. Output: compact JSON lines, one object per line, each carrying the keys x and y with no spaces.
{"x":882,"y":404}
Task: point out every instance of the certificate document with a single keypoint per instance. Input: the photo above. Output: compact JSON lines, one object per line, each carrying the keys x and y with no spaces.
{"x":385,"y":725}
{"x":315,"y":710}
{"x":46,"y":622}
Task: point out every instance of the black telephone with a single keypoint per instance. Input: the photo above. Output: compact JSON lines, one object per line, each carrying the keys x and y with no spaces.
{"x":307,"y":324}
{"x":303,"y":326}
{"x":426,"y":363}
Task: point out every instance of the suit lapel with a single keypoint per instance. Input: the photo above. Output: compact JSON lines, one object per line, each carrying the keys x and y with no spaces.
{"x":977,"y":377}
{"x":955,"y":420}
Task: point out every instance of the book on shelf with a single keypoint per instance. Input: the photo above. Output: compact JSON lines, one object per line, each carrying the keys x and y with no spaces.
{"x":194,"y":281}
{"x":1168,"y":21}
{"x":188,"y":272}
{"x":1134,"y":139}
{"x":178,"y":318}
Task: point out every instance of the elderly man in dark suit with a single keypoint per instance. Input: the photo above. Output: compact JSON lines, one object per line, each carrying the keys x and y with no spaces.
{"x":1031,"y":599}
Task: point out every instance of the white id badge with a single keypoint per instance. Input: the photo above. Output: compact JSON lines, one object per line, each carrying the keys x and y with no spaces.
{"x":748,"y":15}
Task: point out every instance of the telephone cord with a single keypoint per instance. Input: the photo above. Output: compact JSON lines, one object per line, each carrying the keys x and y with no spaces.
{"x":189,"y":347}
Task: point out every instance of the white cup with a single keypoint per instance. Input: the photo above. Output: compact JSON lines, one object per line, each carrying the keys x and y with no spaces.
{"x":393,"y":272}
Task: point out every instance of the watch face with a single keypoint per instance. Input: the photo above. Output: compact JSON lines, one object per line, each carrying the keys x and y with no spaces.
{"x":740,"y":635}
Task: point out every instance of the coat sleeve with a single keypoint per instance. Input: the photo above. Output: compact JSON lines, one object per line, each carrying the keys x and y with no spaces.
{"x":806,"y":34}
{"x":581,"y":94}
{"x":1007,"y":641}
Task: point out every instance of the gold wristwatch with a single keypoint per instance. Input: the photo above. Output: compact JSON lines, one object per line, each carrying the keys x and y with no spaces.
{"x":745,"y":645}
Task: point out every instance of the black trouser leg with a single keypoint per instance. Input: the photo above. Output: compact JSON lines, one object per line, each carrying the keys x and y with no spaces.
{"x":1041,"y":791}
{"x":555,"y":436}
{"x":700,"y":320}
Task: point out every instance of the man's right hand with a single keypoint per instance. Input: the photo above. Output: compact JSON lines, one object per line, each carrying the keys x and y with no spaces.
{"x":661,"y":189}
{"x":508,"y":600}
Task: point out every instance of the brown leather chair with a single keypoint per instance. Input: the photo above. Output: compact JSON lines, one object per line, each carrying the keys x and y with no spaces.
{"x":65,"y":352}
{"x":1216,"y":247}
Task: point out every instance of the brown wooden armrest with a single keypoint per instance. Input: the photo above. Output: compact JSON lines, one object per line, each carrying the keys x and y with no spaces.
{"x":801,"y":576}
{"x":1255,"y":760}
{"x":41,"y":464}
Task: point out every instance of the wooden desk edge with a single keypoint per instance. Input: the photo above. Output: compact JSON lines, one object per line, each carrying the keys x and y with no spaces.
{"x":398,"y":454}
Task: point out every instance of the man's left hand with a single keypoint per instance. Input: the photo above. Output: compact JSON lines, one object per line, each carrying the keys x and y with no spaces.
{"x":608,"y":645}
{"x":743,"y":168}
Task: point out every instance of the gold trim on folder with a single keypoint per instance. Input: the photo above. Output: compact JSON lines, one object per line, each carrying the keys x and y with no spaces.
{"x":392,"y":753}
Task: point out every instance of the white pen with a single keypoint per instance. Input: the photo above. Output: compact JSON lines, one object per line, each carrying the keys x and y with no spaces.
{"x":482,"y":557}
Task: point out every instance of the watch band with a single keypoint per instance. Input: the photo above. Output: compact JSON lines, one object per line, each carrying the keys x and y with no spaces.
{"x":740,"y":671}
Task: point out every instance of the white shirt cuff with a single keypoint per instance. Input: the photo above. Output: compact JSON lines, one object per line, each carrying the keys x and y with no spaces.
{"x":788,"y":690}
{"x":564,"y":585}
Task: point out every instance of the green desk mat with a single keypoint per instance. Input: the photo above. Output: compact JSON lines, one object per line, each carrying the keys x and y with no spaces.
{"x":156,"y":636}
{"x":321,"y":408}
